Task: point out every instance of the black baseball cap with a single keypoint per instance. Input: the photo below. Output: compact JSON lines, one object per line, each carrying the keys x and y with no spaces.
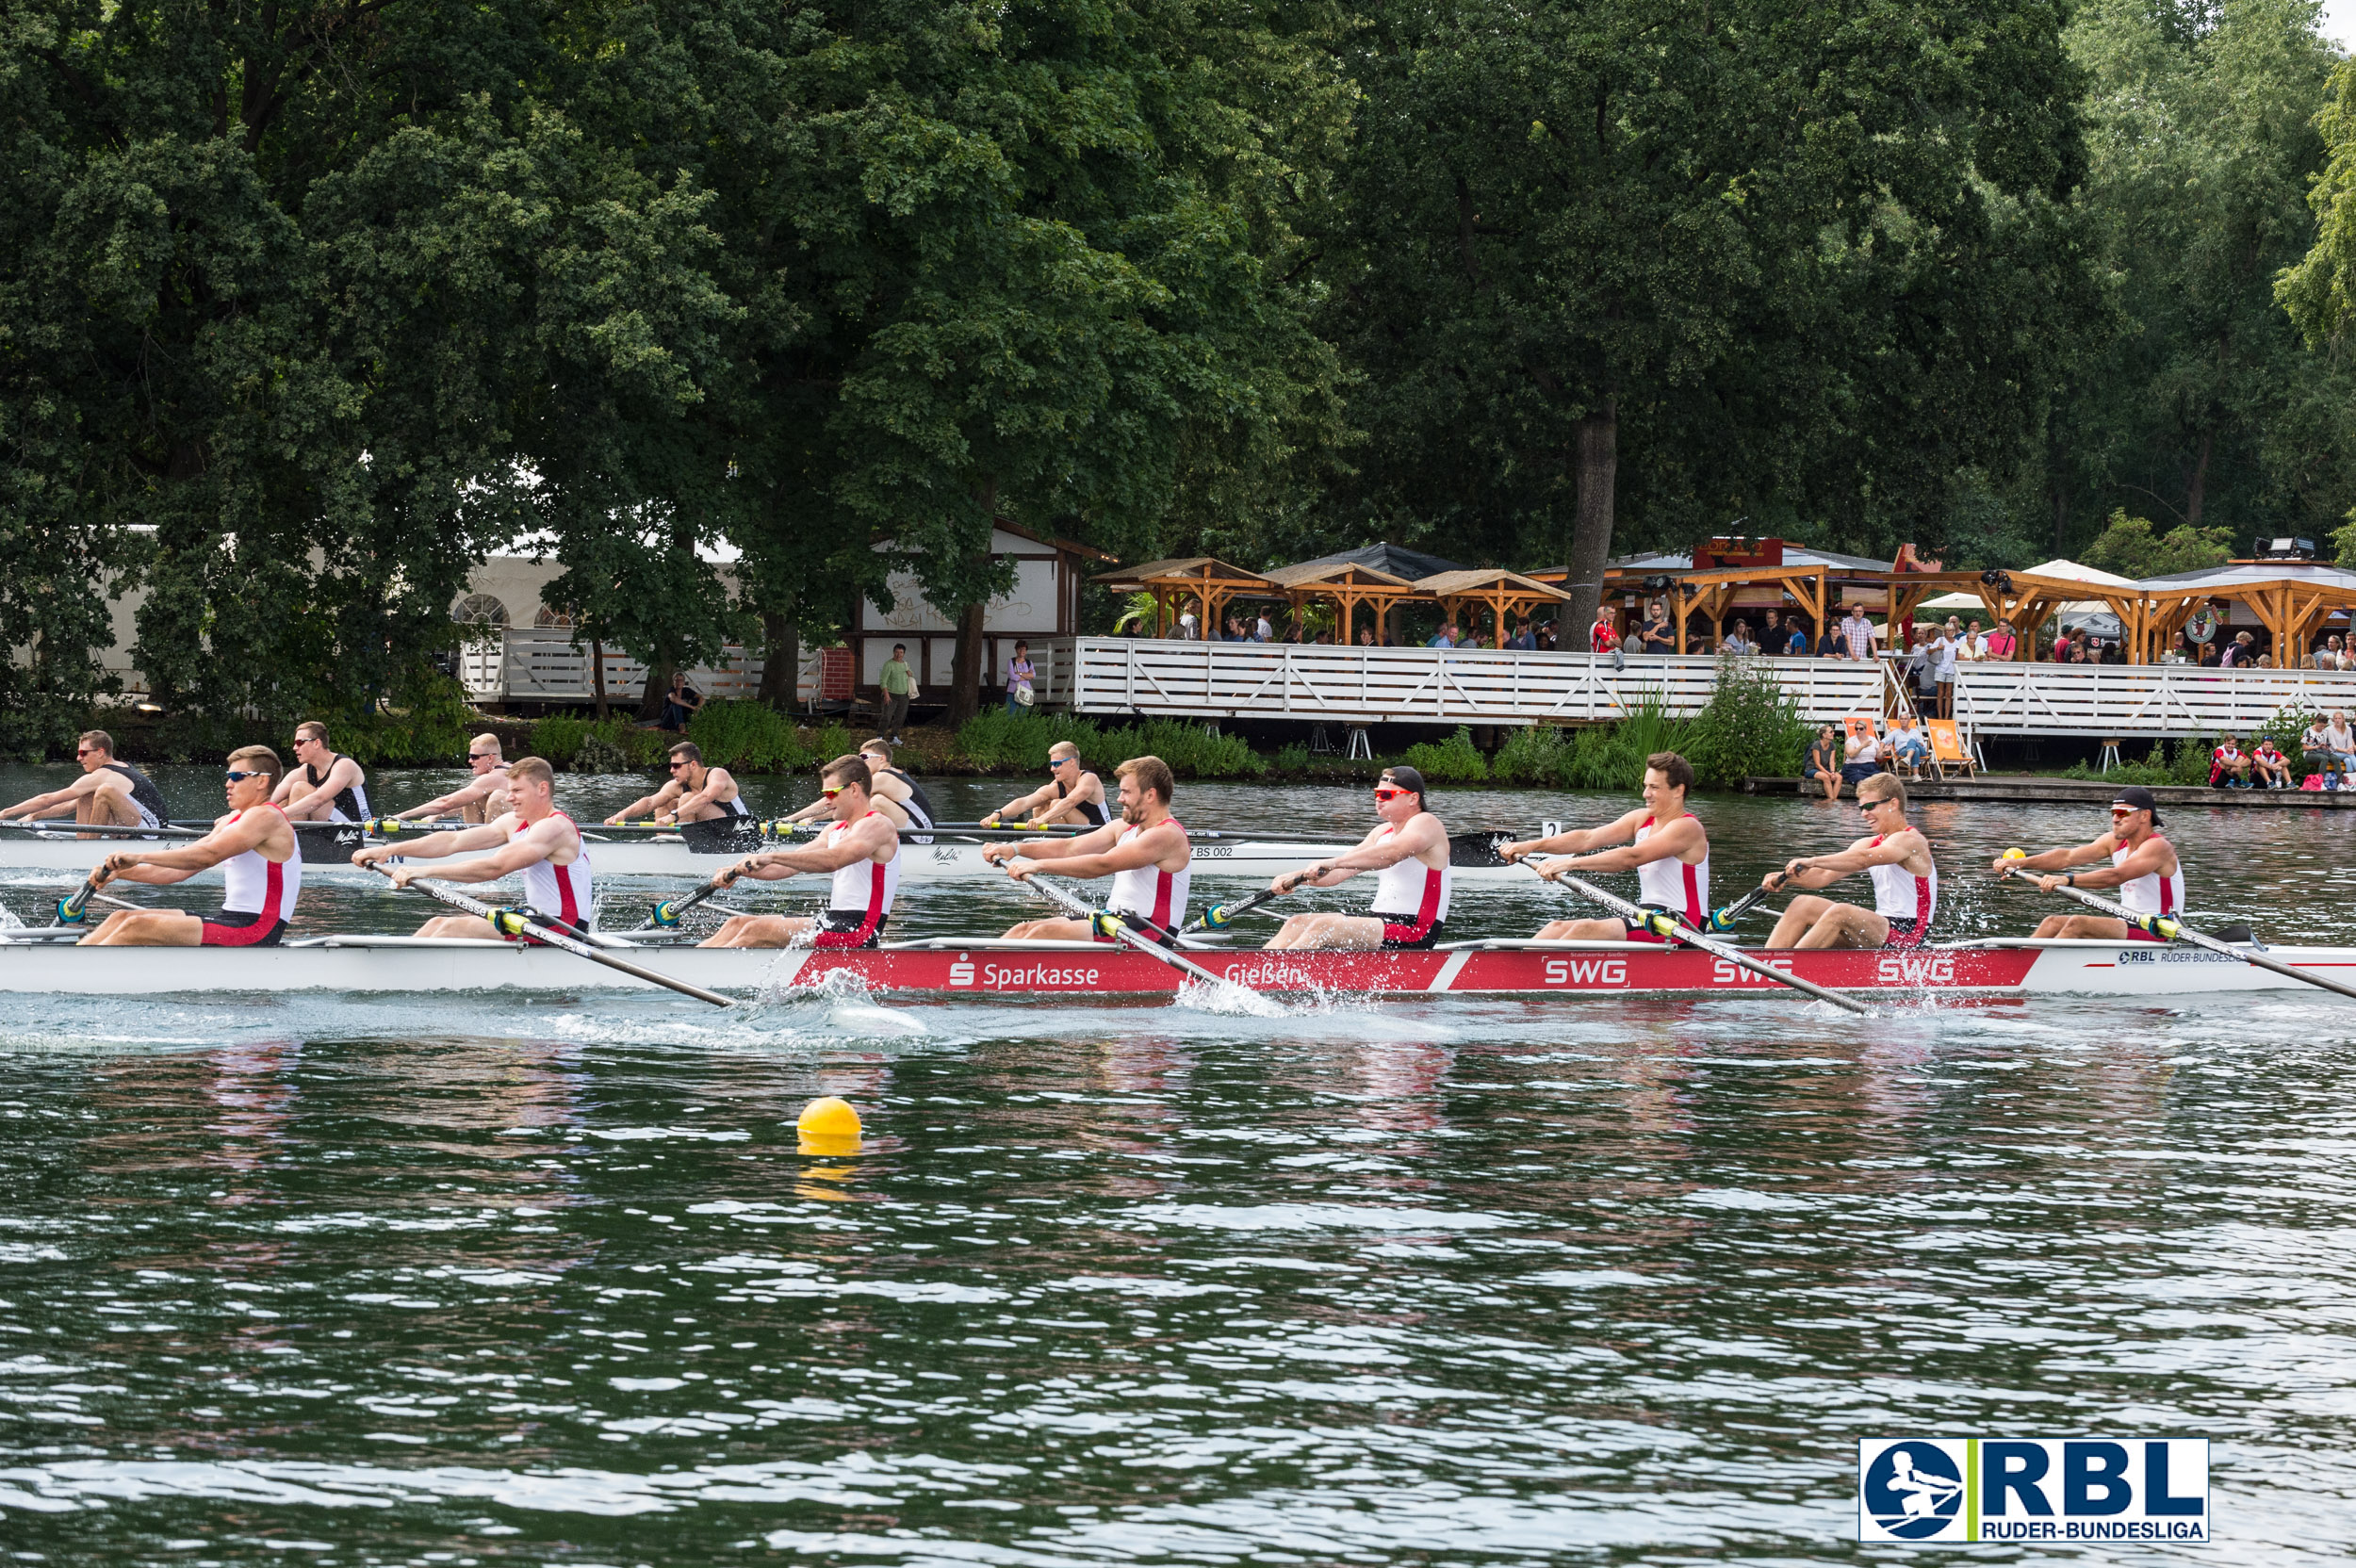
{"x":2137,"y":798}
{"x":1409,"y":780}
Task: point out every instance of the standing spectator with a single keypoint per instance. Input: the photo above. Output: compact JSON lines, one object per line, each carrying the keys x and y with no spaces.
{"x":1857,"y":633}
{"x":1187,"y":628}
{"x":1261,"y":630}
{"x":1019,"y":695}
{"x":2240,"y":653}
{"x":1770,"y":632}
{"x":1824,"y":762}
{"x":1795,"y":640}
{"x":1234,"y":631}
{"x":2001,"y":643}
{"x":1739,"y":641}
{"x":1546,"y":637}
{"x":2063,"y":647}
{"x":2179,"y":650}
{"x":1632,"y":644}
{"x":1661,"y":636}
{"x":1832,"y":644}
{"x":2339,"y":655}
{"x":1974,"y":648}
{"x":1601,"y":638}
{"x":1365,"y":638}
{"x":899,"y":689}
{"x":1943,"y":651}
{"x":2210,"y":655}
{"x":1441,"y":639}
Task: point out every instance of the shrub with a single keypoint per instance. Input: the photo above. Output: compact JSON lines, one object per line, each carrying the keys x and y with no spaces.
{"x":750,"y":737}
{"x":1748,"y":726}
{"x":1292,"y":759}
{"x":1611,"y":757}
{"x":997,"y":738}
{"x":1454,"y":760}
{"x":598,"y":752}
{"x":2188,"y":765}
{"x":1536,"y":754}
{"x":556,"y":740}
{"x":431,"y":727}
{"x":832,"y":740}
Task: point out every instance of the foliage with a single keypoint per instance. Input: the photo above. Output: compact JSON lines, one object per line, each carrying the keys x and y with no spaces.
{"x":752,"y":736}
{"x":2187,"y":765}
{"x":431,"y":729}
{"x":1611,"y":757}
{"x":1536,"y":754}
{"x":1747,"y":728}
{"x":2132,"y":548}
{"x":1454,"y":760}
{"x":998,"y":741}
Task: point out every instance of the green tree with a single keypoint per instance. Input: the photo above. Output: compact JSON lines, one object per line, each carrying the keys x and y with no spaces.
{"x":2134,"y":548}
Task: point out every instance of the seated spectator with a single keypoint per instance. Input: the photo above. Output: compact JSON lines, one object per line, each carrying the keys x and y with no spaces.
{"x":1824,"y":762}
{"x":2343,"y":742}
{"x":1861,"y":756}
{"x":2229,"y":765}
{"x":1908,"y":746}
{"x":2272,"y":767}
{"x":2314,"y":750}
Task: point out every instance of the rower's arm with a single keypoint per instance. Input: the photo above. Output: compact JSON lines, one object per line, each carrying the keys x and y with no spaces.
{"x":1142,"y":849}
{"x":643,"y":805}
{"x":525,"y":849}
{"x":434,"y":846}
{"x":1822,"y":871}
{"x":1021,"y":805}
{"x":52,"y":803}
{"x":479,"y":790}
{"x":1577,"y":840}
{"x":163,"y":867}
{"x":1663,"y":843}
{"x":2062,"y":859}
{"x":775,"y":865}
{"x":2151,"y":860}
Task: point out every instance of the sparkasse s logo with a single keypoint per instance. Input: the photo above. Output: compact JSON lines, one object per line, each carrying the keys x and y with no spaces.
{"x":1933,"y":1490}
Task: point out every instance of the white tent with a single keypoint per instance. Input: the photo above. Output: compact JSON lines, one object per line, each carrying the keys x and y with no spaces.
{"x":2068,"y":570}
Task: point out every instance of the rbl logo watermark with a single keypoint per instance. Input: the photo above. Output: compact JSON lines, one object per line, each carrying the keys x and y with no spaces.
{"x":1932,"y":1491}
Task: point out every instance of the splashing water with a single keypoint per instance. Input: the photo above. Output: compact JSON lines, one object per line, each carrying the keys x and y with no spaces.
{"x":1226,"y":997}
{"x":8,"y":920}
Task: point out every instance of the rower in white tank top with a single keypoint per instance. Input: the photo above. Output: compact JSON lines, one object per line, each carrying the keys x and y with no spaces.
{"x":1900,"y":895}
{"x":1411,"y":899}
{"x":562,"y":893}
{"x":1681,"y":890}
{"x":257,"y":887}
{"x":1148,"y":892}
{"x":859,"y":898}
{"x":2152,"y":893}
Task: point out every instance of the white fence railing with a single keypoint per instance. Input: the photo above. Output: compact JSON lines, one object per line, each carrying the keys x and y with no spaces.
{"x":2174,"y":700}
{"x":1226,"y":680}
{"x":535,"y":664}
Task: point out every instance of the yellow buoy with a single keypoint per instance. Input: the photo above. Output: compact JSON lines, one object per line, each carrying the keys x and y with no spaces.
{"x":828,"y":1126}
{"x":2016,"y":855}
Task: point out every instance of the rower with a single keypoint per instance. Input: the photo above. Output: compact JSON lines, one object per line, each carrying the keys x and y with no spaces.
{"x":108,"y":794}
{"x":481,"y":798}
{"x":1905,"y":881}
{"x":885,"y":795}
{"x":261,"y":862}
{"x":1667,"y":848}
{"x":2143,"y":867}
{"x":862,"y":848}
{"x":534,"y":838}
{"x":695,"y":795}
{"x":326,"y":788}
{"x":1147,"y":856}
{"x":894,"y":785}
{"x":1071,"y":794}
{"x":1410,"y":847}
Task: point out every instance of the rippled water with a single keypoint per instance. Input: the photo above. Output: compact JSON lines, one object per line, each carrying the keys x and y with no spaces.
{"x":364,"y":1280}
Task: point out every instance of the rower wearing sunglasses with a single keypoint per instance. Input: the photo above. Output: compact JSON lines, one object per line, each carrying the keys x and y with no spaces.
{"x":1070,"y":794}
{"x":2143,"y":867}
{"x":861,"y":849}
{"x":534,"y":839}
{"x":260,"y":859}
{"x":1895,"y":854}
{"x":480,"y":800}
{"x":1661,"y":841}
{"x":1149,"y":857}
{"x":702,"y":802}
{"x":1410,"y":847}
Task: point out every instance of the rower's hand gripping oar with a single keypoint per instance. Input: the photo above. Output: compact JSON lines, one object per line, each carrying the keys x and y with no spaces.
{"x":2167,"y":929}
{"x":508,"y":922}
{"x":1105,"y":922}
{"x":1672,"y":928}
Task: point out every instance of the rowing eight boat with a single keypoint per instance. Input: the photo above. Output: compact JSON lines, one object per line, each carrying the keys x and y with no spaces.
{"x":952,"y":967}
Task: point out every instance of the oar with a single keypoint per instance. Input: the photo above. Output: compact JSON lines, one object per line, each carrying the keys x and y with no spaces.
{"x":1113,"y":925}
{"x":2174,"y":930}
{"x":70,"y":911}
{"x":507,"y":922}
{"x":1723,"y":920}
{"x":1670,"y":926}
{"x":664,"y":916}
{"x":1218,"y":917}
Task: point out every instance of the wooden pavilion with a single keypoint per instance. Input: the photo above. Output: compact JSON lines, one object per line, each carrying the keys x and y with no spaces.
{"x":1493,"y":588}
{"x":2291,"y":599}
{"x":1721,"y":576}
{"x":1204,"y":578}
{"x":1348,"y":585}
{"x":2026,"y":600}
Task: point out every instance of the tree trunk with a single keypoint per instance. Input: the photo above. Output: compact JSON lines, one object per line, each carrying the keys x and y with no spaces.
{"x":596,"y":674}
{"x":2196,"y":488}
{"x":781,"y":665}
{"x":965,"y":682}
{"x":2061,"y":520}
{"x":1597,"y":466}
{"x":658,"y":683}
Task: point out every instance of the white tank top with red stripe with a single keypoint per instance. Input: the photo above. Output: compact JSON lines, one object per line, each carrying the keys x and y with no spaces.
{"x":863,"y":886}
{"x":2153,"y":894}
{"x":1673,"y":885}
{"x":1899,"y":894}
{"x":1158,"y":895}
{"x":560,"y":891}
{"x":255,"y":886}
{"x":1410,"y":889}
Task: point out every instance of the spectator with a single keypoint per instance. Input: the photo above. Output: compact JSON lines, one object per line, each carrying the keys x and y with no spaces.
{"x":1861,"y":755}
{"x":1738,"y":641}
{"x":1020,"y":696}
{"x":2314,"y":750}
{"x":1633,"y":644}
{"x":2343,"y":742}
{"x":1601,"y":638}
{"x":1234,"y":631}
{"x":1365,"y":638}
{"x":1918,"y":669}
{"x":1661,"y":636}
{"x":1942,"y":651}
{"x":1770,"y":632}
{"x":2229,"y":765}
{"x":1824,"y":762}
{"x":1908,"y":746}
{"x":2240,"y":653}
{"x":2001,"y":643}
{"x":2273,"y":768}
{"x":2179,"y":650}
{"x":2339,"y":655}
{"x":898,"y":683}
{"x":1857,"y":633}
{"x":2210,"y":657}
{"x":1441,"y":639}
{"x":2064,"y":649}
{"x":1262,"y":631}
{"x":1545,"y":636}
{"x":1794,"y":639}
{"x":1832,"y":644}
{"x":1188,"y":628}
{"x":679,"y":704}
{"x":1974,"y":648}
